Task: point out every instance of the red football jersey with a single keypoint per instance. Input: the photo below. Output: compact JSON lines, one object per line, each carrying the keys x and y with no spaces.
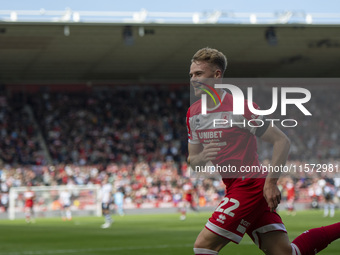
{"x":188,"y":189}
{"x":235,"y":136}
{"x":290,"y":191}
{"x":29,"y":196}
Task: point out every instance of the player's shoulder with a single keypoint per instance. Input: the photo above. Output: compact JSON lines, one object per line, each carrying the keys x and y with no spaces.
{"x":227,"y":96}
{"x":194,"y":109}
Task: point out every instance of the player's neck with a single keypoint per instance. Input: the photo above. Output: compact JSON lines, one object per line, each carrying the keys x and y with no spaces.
{"x":212,"y":103}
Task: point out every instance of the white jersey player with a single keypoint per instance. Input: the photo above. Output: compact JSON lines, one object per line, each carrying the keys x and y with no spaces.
{"x":106,"y":195}
{"x":65,"y":201}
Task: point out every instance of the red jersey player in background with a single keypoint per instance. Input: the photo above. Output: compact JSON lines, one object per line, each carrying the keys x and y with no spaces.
{"x":290,"y":188}
{"x":249,"y":204}
{"x":29,"y":203}
{"x":188,"y":199}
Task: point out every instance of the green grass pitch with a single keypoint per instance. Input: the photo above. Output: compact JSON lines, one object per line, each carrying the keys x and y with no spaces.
{"x":133,"y":234}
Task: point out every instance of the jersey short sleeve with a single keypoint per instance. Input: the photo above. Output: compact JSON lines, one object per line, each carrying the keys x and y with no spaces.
{"x":192,"y":135}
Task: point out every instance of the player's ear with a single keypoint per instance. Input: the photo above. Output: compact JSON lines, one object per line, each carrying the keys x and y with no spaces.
{"x":218,"y":73}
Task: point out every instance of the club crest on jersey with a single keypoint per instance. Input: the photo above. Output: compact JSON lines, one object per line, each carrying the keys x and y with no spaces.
{"x":197,"y":122}
{"x":225,"y":116}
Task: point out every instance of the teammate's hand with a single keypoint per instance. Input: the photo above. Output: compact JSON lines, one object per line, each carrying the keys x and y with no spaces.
{"x":272,"y":194}
{"x":209,"y":152}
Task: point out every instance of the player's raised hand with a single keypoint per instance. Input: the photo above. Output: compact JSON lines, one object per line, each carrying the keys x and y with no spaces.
{"x":272,"y":194}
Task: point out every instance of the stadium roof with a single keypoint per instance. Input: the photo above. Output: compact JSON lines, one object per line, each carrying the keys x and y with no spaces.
{"x":67,"y":51}
{"x":144,"y":16}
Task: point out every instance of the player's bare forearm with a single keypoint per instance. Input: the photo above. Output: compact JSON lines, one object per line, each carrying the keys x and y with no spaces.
{"x":281,"y":145}
{"x":279,"y":158}
{"x":271,"y":192}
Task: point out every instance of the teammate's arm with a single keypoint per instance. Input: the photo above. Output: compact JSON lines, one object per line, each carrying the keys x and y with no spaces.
{"x":281,"y":145}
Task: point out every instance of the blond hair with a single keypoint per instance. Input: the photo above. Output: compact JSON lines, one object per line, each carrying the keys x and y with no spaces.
{"x":211,"y":56}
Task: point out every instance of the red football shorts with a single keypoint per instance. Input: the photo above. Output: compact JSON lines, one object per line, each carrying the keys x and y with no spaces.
{"x":29,"y":203}
{"x":188,"y":197}
{"x":244,"y":210}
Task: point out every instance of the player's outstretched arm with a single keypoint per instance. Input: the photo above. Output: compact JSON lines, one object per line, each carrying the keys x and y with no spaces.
{"x":281,"y":145}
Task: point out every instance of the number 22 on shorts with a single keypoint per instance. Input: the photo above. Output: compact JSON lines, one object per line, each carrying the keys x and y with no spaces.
{"x":228,"y":210}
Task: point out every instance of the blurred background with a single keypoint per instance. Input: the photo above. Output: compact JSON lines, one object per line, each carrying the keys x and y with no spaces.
{"x":88,"y":92}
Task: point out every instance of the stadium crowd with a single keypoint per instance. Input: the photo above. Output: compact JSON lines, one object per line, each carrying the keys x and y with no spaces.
{"x":138,"y":137}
